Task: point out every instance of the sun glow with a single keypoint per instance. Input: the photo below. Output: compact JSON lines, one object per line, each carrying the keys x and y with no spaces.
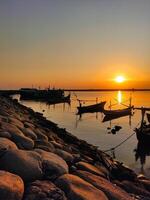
{"x":119,"y":79}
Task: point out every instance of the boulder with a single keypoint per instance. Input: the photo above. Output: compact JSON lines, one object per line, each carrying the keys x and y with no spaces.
{"x":6,"y":143}
{"x":18,"y":137}
{"x":28,"y":124}
{"x":44,"y":190}
{"x":76,"y":188}
{"x":40,"y":135}
{"x":112,"y":191}
{"x":11,"y":186}
{"x":23,"y":142}
{"x":53,"y":165}
{"x":145,"y":183}
{"x":68,"y":157}
{"x":90,"y":168}
{"x":57,"y":145}
{"x":4,"y":113}
{"x":29,"y":133}
{"x":12,"y":129}
{"x":16,"y":122}
{"x":42,"y":147}
{"x":43,"y":144}
{"x":134,"y":188}
{"x":5,"y":134}
{"x":26,"y":164}
{"x":4,"y":119}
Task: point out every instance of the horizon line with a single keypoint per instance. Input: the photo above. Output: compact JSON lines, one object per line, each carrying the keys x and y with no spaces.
{"x":89,"y":89}
{"x":109,"y":89}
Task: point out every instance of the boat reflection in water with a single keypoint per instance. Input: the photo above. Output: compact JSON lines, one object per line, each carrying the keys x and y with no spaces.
{"x":114,"y":114}
{"x":141,"y":152}
{"x":117,"y":113}
{"x":119,"y":97}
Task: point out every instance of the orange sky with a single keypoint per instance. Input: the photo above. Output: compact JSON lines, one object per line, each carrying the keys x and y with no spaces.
{"x":74,"y":44}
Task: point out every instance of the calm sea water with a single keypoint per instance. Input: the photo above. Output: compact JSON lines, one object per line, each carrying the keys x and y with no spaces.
{"x":91,"y":128}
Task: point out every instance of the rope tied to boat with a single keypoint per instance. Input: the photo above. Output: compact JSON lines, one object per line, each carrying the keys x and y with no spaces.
{"x":113,"y":148}
{"x":118,"y":145}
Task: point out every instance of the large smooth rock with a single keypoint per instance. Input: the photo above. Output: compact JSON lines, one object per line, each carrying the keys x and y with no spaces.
{"x":145,"y":183}
{"x":76,"y":188}
{"x":6,"y":143}
{"x":40,"y":135}
{"x":53,"y":165}
{"x":65,"y":155}
{"x":90,"y":168}
{"x":29,"y":133}
{"x":45,"y":145}
{"x":57,"y":145}
{"x":4,"y":112}
{"x":18,"y":137}
{"x":26,"y":164}
{"x":43,"y":190}
{"x":5,"y":134}
{"x":16,"y":122}
{"x":28,"y":124}
{"x":11,"y":186}
{"x":112,"y":191}
{"x":4,"y":119}
{"x":12,"y":129}
{"x":23,"y":142}
{"x":132,"y":187}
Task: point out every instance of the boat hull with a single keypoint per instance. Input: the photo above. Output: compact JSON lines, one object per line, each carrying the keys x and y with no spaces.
{"x":99,"y":107}
{"x":148,"y":117}
{"x":143,"y":135}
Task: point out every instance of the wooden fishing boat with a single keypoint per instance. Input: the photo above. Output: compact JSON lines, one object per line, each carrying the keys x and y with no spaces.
{"x":142,"y":151}
{"x":118,"y":113}
{"x":99,"y":107}
{"x":143,"y":134}
{"x":148,"y":117}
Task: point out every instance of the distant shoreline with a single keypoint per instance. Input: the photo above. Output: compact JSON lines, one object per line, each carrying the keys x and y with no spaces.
{"x":106,"y":90}
{"x":84,"y":90}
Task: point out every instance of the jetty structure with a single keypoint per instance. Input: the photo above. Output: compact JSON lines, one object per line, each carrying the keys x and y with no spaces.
{"x":39,"y":160}
{"x":50,"y":96}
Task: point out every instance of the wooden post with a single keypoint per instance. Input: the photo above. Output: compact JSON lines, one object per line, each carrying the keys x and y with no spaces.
{"x":143,"y":114}
{"x":130,"y":102}
{"x":80,"y":105}
{"x":110,"y":105}
{"x":96,"y":100}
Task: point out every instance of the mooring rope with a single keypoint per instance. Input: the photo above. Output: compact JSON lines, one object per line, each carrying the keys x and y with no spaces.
{"x":112,"y":149}
{"x":118,"y":145}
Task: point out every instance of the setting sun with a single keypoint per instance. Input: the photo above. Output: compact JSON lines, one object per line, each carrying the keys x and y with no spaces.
{"x":119,"y":79}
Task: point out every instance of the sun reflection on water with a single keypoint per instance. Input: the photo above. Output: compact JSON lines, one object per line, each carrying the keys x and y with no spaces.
{"x":119,"y":97}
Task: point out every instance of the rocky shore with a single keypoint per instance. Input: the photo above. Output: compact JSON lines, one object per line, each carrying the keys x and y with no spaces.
{"x":40,"y":161}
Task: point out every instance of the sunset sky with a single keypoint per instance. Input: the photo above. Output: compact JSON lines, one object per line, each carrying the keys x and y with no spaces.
{"x":74,"y":43}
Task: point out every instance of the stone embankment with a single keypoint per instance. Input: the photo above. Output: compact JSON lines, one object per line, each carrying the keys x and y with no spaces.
{"x":40,"y":161}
